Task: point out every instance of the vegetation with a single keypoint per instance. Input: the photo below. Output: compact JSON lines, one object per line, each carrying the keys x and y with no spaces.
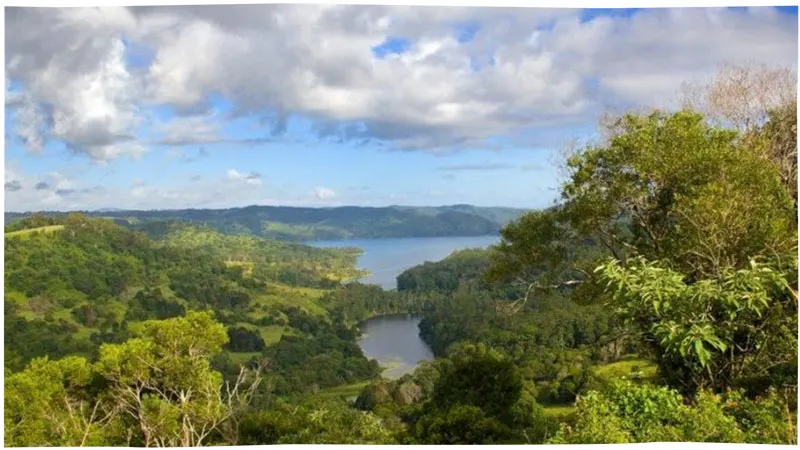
{"x":463,"y":266}
{"x":306,"y":224}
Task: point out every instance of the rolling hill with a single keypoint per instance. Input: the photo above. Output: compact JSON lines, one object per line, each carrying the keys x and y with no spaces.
{"x":301,"y":224}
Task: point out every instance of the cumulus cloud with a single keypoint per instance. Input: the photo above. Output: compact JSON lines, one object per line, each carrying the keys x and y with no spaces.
{"x":519,"y":69}
{"x":323,"y":193}
{"x":71,"y":63}
{"x":249,"y":178}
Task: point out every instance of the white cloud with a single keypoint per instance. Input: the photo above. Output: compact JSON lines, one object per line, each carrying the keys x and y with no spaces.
{"x":190,"y":130}
{"x":63,"y":193}
{"x":536,"y":68}
{"x":249,"y":178}
{"x":323,"y":193}
{"x":79,"y":73}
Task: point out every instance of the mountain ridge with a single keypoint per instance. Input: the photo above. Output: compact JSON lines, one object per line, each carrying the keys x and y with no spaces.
{"x":308,"y":223}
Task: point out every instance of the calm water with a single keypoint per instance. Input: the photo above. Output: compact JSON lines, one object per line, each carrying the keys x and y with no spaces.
{"x":385,"y":259}
{"x":394,"y":341}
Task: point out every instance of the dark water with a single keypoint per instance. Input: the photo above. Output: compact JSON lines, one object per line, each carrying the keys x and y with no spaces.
{"x":385,"y":259}
{"x":394,"y":341}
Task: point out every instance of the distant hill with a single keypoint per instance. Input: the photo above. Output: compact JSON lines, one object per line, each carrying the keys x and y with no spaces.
{"x":298,"y":224}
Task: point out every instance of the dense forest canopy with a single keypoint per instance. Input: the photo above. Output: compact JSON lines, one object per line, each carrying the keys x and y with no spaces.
{"x":656,"y":301}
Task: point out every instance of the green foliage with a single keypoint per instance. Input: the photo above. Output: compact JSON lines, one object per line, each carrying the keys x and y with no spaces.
{"x":459,"y":424}
{"x":713,"y":333}
{"x":463,"y":266}
{"x":46,"y":403}
{"x":81,"y":286}
{"x":690,"y":191}
{"x":478,"y":376}
{"x":477,"y":399}
{"x":314,"y":423}
{"x":155,"y":389}
{"x":643,"y":413}
{"x":151,"y":304}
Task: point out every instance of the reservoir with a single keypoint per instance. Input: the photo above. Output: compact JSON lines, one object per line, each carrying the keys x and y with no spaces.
{"x":387,"y":258}
{"x":393,"y":340}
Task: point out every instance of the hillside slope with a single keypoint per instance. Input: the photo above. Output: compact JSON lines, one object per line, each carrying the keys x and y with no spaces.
{"x":298,"y":224}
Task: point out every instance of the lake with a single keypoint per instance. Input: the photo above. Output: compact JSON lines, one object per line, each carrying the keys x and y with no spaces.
{"x":393,"y":340}
{"x":385,"y":259}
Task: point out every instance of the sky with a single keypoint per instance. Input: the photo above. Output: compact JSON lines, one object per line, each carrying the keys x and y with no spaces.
{"x":168,"y":107}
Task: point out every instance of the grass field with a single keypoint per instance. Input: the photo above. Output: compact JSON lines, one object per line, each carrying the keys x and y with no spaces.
{"x":272,"y":334}
{"x":242,"y":357}
{"x":627,"y":367}
{"x":345,"y":391}
{"x":26,"y":233}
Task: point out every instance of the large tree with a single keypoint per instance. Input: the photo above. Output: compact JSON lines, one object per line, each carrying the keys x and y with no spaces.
{"x":709,"y":217}
{"x":156,"y":389}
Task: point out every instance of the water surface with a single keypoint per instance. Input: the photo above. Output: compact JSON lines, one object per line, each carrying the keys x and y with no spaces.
{"x":387,"y":258}
{"x":394,"y":341}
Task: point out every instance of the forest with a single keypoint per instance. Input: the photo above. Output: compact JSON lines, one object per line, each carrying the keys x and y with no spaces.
{"x":308,"y":224}
{"x":655,"y":301}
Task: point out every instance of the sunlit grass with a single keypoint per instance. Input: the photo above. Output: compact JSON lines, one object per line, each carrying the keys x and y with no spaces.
{"x":558,"y":410}
{"x":346,"y":390}
{"x":628,"y":367}
{"x":272,"y":334}
{"x":26,"y":233}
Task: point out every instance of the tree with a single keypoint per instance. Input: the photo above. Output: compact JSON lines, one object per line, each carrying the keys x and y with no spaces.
{"x":741,"y":96}
{"x":478,"y":376}
{"x":162,"y":383}
{"x":48,"y":404}
{"x":242,"y":339}
{"x":737,"y":330}
{"x":688,"y":192}
{"x":460,"y":424}
{"x":477,"y":399}
{"x":700,"y":203}
{"x":779,"y":140}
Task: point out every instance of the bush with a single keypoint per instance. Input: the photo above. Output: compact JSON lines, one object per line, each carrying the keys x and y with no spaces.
{"x":644,"y":413}
{"x":243,"y":340}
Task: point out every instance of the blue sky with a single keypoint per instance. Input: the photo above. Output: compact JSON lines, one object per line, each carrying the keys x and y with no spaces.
{"x":417,"y":107}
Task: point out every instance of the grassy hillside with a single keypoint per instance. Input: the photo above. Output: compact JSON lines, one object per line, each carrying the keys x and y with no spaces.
{"x":27,"y":232}
{"x":73,"y":285}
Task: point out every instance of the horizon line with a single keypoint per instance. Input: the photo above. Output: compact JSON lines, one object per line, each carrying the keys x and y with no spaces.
{"x":117,"y":210}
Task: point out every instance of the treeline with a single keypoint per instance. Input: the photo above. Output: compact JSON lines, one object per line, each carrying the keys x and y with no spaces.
{"x":301,"y":224}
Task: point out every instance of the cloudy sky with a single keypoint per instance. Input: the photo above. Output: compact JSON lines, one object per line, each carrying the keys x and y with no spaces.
{"x":218,"y":106}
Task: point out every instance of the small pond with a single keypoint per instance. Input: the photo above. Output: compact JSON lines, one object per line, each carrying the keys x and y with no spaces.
{"x":393,"y":340}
